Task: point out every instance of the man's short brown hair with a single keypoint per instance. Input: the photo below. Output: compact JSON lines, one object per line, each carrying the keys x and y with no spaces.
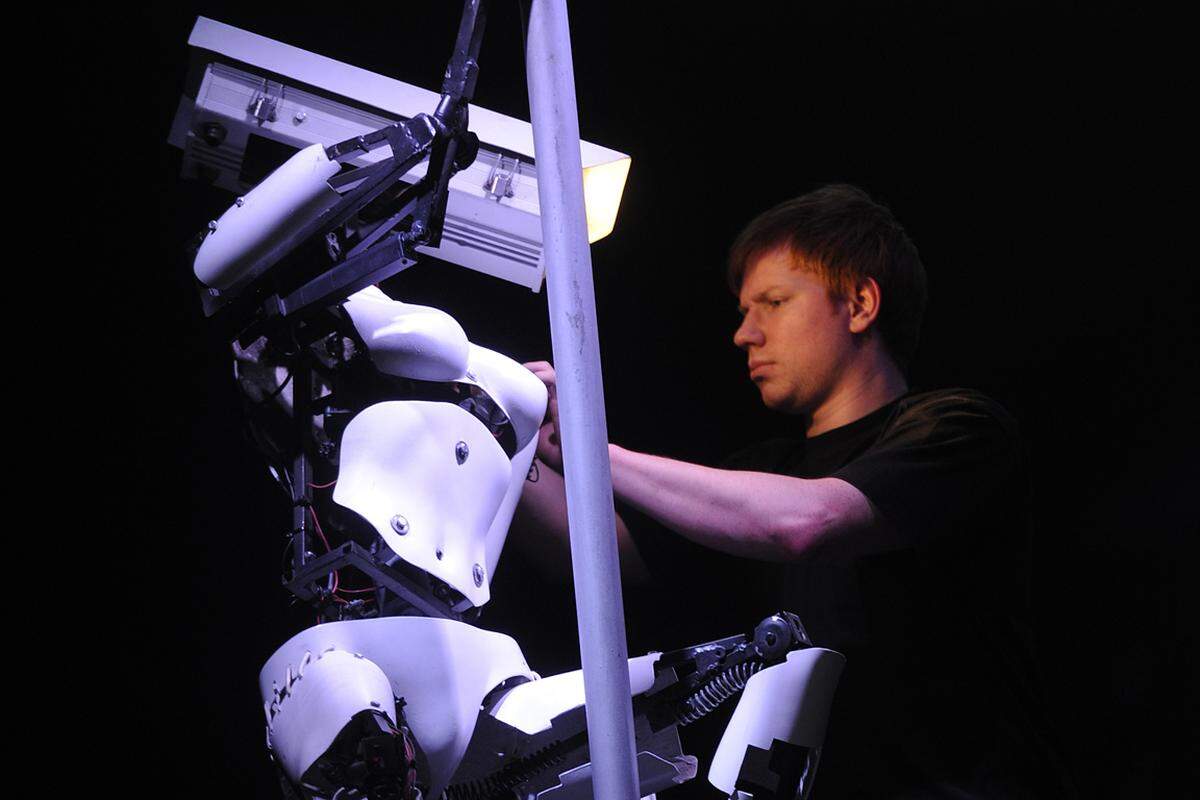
{"x":843,"y":235}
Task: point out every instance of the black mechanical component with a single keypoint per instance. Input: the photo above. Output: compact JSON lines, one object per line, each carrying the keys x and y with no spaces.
{"x":502,"y":763}
{"x":372,"y":759}
{"x":784,"y":772}
{"x":716,"y":691}
{"x":709,"y":674}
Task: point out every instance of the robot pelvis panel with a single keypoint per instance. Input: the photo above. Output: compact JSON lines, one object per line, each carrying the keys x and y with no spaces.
{"x":429,"y":477}
{"x":441,"y":668}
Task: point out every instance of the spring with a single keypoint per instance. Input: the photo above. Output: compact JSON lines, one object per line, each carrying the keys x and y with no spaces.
{"x":722,"y":687}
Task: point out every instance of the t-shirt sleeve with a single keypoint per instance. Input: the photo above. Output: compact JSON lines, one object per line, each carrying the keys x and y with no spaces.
{"x":943,"y":461}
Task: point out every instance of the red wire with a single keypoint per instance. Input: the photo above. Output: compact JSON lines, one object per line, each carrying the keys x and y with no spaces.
{"x":324,"y":541}
{"x":321,"y":533}
{"x":322,"y":485}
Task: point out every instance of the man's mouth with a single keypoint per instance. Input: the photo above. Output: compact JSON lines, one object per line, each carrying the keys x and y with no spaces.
{"x":758,"y":369}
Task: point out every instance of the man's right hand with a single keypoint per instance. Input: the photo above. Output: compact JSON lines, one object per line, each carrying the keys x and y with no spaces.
{"x":549,"y":447}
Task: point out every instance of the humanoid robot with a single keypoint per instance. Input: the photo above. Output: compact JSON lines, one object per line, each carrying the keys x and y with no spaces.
{"x":426,"y":440}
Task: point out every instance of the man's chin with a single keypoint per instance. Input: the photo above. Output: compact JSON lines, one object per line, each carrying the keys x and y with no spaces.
{"x":780,"y":401}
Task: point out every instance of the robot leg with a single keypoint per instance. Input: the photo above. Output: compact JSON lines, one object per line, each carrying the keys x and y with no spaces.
{"x":335,"y":730}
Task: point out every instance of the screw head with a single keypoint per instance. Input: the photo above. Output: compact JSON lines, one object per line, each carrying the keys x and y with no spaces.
{"x":300,"y":117}
{"x":212,"y":224}
{"x":213,"y":134}
{"x":241,"y":201}
{"x":477,"y":574}
{"x":438,"y":553}
{"x":399,"y":525}
{"x":461,"y":451}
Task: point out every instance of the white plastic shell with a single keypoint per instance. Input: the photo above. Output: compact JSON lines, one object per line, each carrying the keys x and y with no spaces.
{"x":289,"y":198}
{"x":530,"y":707}
{"x":789,"y":701}
{"x":408,"y":340}
{"x":443,"y":670}
{"x":323,"y":691}
{"x":514,"y":388}
{"x":401,"y":471}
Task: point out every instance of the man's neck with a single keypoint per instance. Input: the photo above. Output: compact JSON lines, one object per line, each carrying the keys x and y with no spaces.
{"x":865,"y":389}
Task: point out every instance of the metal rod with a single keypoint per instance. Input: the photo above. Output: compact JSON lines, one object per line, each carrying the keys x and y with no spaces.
{"x":582,"y":424}
{"x":301,"y":469}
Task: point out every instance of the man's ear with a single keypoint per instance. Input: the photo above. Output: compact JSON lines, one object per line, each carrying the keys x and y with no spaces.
{"x":864,"y":302}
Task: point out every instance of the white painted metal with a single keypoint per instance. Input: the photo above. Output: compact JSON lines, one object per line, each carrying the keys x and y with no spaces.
{"x":584,"y":432}
{"x":789,"y":701}
{"x":290,"y":197}
{"x":443,"y":670}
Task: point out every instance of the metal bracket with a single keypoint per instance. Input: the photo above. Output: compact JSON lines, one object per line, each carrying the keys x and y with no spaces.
{"x":265,"y":105}
{"x":351,"y":554}
{"x":500,"y":179}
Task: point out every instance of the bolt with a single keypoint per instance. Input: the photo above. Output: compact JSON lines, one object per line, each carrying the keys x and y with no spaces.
{"x":477,"y":573}
{"x":374,"y":704}
{"x":461,"y":451}
{"x":300,"y":117}
{"x":212,"y":225}
{"x":438,"y":553}
{"x":213,"y":134}
{"x":241,"y":201}
{"x":399,"y":524}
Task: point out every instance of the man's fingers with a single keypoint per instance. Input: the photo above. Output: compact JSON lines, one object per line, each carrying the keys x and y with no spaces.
{"x":544,"y":371}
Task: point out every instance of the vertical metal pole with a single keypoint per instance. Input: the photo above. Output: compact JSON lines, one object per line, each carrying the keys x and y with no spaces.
{"x":582,"y":425}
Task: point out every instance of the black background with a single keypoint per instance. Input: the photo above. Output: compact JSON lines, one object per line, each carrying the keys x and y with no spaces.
{"x":1034,"y":153}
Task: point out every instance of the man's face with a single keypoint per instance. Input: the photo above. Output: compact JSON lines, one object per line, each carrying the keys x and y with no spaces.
{"x":797,"y":340}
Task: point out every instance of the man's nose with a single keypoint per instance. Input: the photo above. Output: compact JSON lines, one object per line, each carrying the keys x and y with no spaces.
{"x":748,"y":333}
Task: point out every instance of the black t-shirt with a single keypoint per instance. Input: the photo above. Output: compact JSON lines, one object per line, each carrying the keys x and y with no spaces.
{"x":939,"y":697}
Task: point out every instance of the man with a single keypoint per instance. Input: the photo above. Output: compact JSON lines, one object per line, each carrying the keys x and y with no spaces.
{"x":896,"y":522}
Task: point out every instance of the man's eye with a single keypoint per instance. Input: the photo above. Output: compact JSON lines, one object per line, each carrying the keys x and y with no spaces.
{"x":775,"y":303}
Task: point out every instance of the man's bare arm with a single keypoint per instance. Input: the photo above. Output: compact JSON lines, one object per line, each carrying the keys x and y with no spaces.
{"x":540,"y":525}
{"x":750,"y":514}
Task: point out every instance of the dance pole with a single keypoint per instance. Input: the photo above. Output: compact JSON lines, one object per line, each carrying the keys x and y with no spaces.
{"x":582,"y":426}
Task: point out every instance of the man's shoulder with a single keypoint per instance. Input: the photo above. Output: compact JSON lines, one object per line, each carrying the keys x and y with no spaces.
{"x":955,"y":406}
{"x":767,"y":454}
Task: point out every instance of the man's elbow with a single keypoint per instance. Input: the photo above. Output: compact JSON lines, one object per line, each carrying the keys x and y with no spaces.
{"x":832,"y":519}
{"x":797,"y":535}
